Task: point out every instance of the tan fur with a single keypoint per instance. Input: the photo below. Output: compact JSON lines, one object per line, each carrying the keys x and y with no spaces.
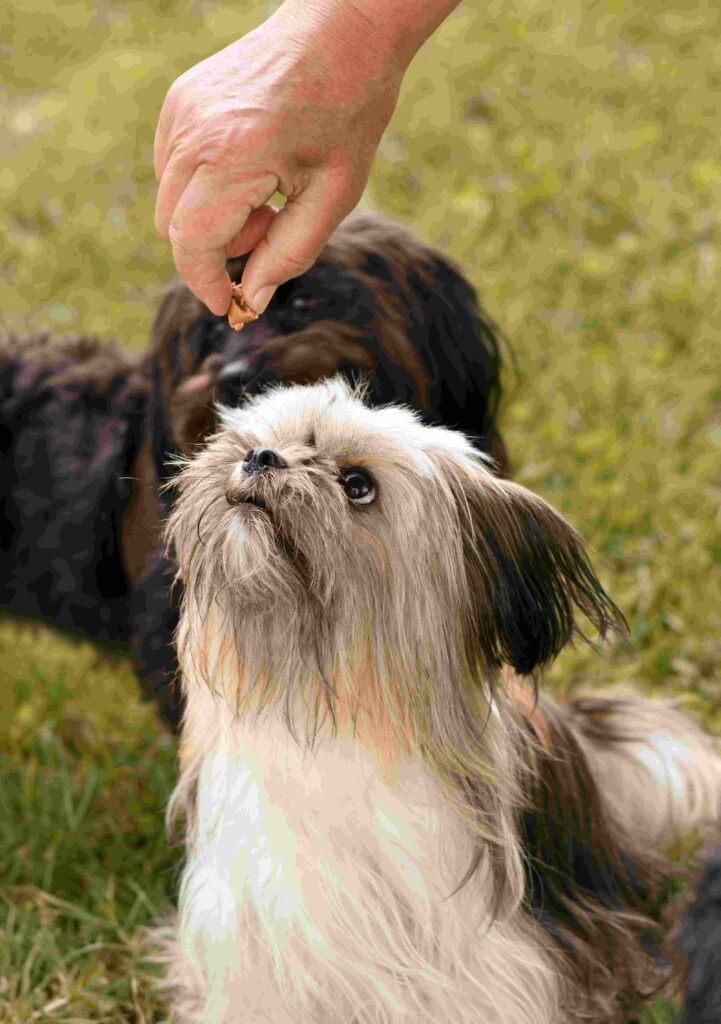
{"x":355,"y":773}
{"x":521,"y":694}
{"x":190,"y":407}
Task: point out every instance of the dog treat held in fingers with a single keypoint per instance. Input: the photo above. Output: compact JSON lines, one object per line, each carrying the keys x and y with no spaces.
{"x":240,"y":313}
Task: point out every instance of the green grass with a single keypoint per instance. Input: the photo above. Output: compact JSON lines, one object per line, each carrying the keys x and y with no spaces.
{"x":84,"y":860}
{"x":567,"y":154}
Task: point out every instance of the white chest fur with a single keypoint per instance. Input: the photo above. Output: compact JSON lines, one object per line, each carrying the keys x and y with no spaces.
{"x":315,"y":891}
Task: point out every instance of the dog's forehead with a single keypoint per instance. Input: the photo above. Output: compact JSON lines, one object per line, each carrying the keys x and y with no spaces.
{"x":332,"y":416}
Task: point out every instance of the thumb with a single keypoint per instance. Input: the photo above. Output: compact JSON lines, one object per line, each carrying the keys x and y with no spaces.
{"x":294,"y":240}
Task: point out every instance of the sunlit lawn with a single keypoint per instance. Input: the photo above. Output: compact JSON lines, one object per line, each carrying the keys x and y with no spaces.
{"x":568,"y":155}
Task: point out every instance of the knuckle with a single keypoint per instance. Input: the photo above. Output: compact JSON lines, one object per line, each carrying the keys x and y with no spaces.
{"x":186,"y":252}
{"x":293,"y":266}
{"x":178,"y":239}
{"x":194,"y":232}
{"x":159,"y":221}
{"x":179,"y":87}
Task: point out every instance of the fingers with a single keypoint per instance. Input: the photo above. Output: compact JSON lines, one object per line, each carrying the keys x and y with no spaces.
{"x":213,"y":219}
{"x":295,"y":238}
{"x":168,"y":130}
{"x":255,"y":228}
{"x":174,"y":180}
{"x":162,"y":131}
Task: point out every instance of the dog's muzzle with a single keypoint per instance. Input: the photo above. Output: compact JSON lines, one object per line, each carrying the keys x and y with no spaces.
{"x":256,"y":462}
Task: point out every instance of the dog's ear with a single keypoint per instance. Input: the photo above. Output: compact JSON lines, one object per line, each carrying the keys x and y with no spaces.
{"x":181,"y":364}
{"x":528,"y":574}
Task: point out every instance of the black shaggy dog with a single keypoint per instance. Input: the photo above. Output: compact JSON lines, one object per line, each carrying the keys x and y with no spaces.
{"x":87,"y":430}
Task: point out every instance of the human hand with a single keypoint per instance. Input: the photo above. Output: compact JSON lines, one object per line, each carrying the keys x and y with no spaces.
{"x":297,"y":106}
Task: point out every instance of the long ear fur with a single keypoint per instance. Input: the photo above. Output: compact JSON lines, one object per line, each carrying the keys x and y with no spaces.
{"x":528,"y":573}
{"x":179,"y":367}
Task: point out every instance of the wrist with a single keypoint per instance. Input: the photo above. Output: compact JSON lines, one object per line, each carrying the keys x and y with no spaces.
{"x":384,"y":35}
{"x":401,"y":26}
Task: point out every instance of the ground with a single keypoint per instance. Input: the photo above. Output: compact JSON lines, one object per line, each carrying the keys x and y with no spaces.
{"x":567,"y":154}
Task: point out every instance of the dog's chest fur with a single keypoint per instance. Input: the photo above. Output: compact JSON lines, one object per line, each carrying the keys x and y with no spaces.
{"x":315,"y":888}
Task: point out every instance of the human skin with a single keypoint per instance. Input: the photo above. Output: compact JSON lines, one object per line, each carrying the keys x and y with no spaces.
{"x":297,"y":106}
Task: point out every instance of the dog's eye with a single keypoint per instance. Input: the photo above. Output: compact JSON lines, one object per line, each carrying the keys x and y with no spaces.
{"x":358,"y":485}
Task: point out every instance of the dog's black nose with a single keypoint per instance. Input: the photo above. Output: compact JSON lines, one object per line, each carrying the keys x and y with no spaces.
{"x":258,"y":460}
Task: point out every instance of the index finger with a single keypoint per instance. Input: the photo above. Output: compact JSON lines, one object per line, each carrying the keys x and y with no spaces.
{"x":210,"y":214}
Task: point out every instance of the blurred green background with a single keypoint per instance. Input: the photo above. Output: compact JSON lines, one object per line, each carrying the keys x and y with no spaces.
{"x":567,"y":153}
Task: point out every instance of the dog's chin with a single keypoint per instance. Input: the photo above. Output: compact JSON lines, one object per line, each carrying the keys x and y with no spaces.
{"x":251,"y":506}
{"x":258,"y":526}
{"x":263,"y":567}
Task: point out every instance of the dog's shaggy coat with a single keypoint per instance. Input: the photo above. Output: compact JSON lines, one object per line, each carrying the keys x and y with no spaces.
{"x":383,"y":827}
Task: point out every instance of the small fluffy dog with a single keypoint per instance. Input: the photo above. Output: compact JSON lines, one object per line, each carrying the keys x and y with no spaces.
{"x":382,"y":824}
{"x":88,"y":429}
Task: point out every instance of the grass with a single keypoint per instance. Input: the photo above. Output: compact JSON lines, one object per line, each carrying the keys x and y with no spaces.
{"x":84,"y":859}
{"x":567,"y":154}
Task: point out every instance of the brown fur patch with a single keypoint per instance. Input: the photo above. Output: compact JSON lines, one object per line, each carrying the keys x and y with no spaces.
{"x":526,"y":699}
{"x":190,"y":409}
{"x":318,"y":352}
{"x":599,"y":885}
{"x":141,"y":526}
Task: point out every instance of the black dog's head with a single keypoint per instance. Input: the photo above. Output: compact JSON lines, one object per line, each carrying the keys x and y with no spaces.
{"x":378,"y":304}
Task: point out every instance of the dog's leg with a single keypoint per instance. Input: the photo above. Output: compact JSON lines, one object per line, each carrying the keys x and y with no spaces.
{"x":153,"y":618}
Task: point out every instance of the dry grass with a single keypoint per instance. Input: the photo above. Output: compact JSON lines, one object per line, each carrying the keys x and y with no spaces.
{"x":568,"y":155}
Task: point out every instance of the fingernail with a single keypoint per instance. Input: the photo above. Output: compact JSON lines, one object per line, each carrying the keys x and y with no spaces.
{"x":261,"y":298}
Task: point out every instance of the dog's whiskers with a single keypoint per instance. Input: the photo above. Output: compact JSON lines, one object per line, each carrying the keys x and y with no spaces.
{"x":213,"y":501}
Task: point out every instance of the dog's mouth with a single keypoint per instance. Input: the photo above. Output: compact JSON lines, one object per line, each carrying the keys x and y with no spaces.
{"x":253,"y":503}
{"x":283,"y":542}
{"x":256,"y":508}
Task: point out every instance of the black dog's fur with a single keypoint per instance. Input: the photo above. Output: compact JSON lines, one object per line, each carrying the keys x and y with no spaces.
{"x":699,"y":940}
{"x":87,"y":430}
{"x":72,"y":418}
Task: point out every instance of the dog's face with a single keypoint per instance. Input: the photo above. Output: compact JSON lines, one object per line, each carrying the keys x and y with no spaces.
{"x":378,"y":304}
{"x":320,"y":538}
